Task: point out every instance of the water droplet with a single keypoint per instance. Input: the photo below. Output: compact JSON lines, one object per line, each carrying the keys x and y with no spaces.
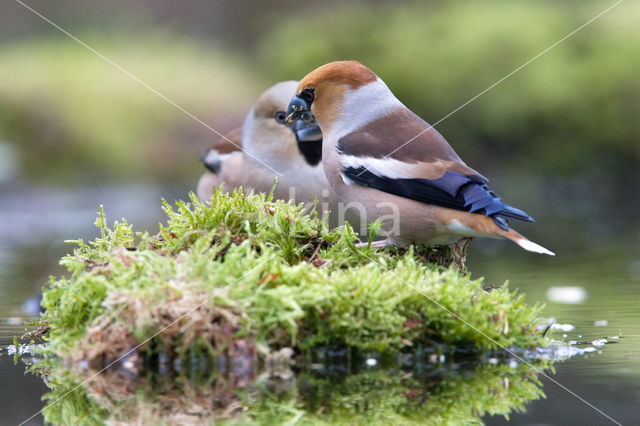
{"x":599,"y":342}
{"x":568,"y":295}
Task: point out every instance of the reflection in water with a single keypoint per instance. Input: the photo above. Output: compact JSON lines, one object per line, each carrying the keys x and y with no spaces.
{"x":335,"y":386}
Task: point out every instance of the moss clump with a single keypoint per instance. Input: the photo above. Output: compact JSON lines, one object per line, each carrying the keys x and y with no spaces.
{"x":246,"y":268}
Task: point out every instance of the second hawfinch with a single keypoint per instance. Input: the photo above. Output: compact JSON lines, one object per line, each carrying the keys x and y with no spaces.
{"x":379,"y":154}
{"x":252,"y":156}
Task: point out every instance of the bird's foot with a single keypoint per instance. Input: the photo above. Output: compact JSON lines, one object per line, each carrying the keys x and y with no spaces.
{"x":453,"y":254}
{"x":459,"y":254}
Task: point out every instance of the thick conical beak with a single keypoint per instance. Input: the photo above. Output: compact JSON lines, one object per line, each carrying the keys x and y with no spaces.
{"x":211,"y":160}
{"x":306,"y":131}
{"x":299,"y":109}
{"x":308,"y":134}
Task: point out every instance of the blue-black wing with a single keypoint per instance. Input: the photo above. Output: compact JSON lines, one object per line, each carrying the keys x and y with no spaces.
{"x":453,"y":190}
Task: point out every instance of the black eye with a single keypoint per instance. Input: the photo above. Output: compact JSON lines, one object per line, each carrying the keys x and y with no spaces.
{"x":280,"y":117}
{"x":308,"y":95}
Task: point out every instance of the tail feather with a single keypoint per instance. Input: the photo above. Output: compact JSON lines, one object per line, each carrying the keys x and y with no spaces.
{"x":529,"y":245}
{"x":526,"y":243}
{"x":469,"y":224}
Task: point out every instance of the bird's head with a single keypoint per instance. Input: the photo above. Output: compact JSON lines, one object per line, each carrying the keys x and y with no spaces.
{"x":267,"y":135}
{"x":321,"y":94}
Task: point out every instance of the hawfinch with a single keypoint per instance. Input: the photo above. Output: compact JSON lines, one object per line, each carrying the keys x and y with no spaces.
{"x":379,"y":154}
{"x":252,"y":156}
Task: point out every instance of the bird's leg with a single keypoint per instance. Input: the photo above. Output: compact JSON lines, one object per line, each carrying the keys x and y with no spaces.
{"x":459,"y":253}
{"x":453,"y":254}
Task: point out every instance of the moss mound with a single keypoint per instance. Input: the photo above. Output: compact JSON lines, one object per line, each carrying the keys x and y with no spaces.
{"x":246,"y":275}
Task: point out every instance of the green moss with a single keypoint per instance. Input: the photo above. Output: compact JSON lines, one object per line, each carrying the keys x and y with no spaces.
{"x":265,"y":271}
{"x":226,"y":283}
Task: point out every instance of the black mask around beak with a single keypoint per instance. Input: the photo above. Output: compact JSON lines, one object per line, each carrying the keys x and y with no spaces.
{"x":303,"y":124}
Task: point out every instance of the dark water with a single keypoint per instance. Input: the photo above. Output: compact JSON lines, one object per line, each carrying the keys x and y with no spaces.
{"x":608,"y":379}
{"x":602,"y":284}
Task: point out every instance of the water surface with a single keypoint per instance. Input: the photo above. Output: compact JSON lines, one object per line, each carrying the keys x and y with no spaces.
{"x":608,"y":379}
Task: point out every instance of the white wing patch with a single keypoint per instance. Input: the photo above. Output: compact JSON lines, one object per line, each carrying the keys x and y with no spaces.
{"x":388,"y":167}
{"x":346,"y":180}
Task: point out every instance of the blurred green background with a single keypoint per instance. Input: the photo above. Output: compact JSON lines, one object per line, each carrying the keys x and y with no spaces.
{"x":560,"y":138}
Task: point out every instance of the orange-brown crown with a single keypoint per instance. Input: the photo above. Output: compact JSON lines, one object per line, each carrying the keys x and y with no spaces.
{"x":349,"y":73}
